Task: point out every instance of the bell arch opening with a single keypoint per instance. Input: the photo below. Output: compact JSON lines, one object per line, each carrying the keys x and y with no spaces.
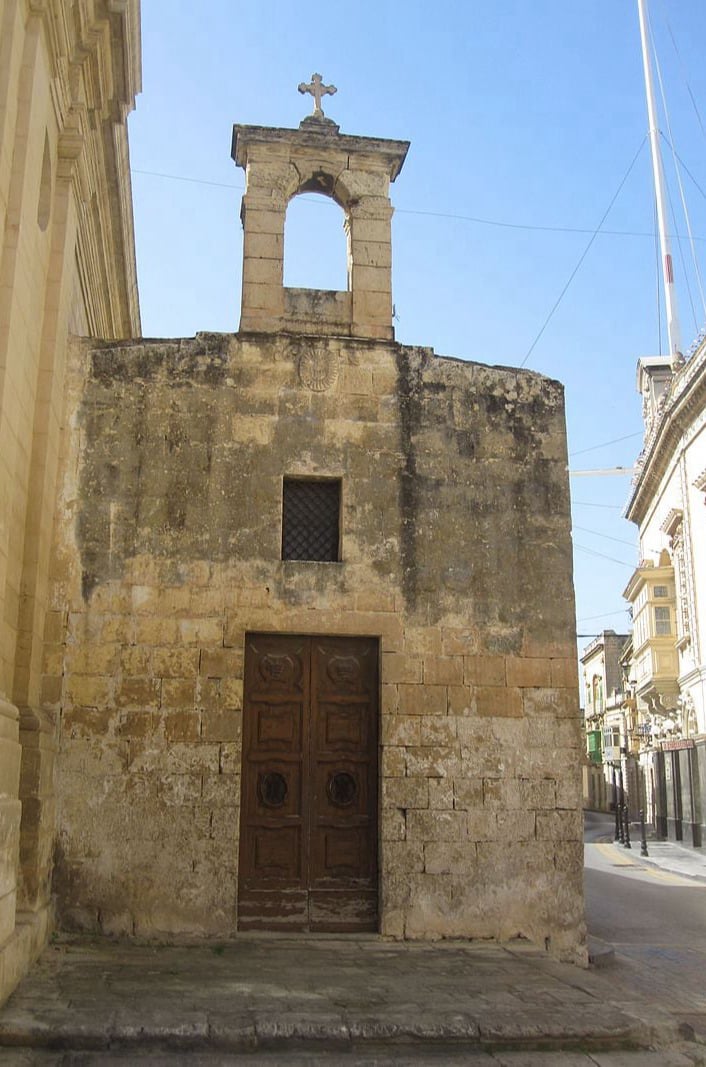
{"x":316,"y":253}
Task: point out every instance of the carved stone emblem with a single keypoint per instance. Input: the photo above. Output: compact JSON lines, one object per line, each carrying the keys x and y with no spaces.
{"x":318,"y":368}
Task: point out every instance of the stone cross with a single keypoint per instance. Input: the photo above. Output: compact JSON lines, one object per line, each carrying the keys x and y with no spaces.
{"x":317,"y":90}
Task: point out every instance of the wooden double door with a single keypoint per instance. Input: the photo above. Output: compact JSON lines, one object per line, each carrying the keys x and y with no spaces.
{"x":308,"y":826}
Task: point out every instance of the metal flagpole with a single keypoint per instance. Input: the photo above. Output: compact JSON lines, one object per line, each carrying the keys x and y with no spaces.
{"x":673,"y":332}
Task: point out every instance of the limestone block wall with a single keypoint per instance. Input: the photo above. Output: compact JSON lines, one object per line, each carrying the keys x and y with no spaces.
{"x":456,"y":554}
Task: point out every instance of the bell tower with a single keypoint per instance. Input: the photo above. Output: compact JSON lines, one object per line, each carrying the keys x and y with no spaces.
{"x":356,"y":172}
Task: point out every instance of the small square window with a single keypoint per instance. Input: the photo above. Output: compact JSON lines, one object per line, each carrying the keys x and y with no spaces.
{"x":661,"y":591}
{"x":311,"y":519}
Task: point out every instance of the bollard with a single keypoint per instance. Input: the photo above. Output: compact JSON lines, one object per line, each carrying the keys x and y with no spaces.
{"x":621,"y":805}
{"x":643,"y":835}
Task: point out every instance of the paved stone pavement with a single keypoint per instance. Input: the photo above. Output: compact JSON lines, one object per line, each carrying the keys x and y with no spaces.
{"x":667,"y":855}
{"x":355,"y":1000}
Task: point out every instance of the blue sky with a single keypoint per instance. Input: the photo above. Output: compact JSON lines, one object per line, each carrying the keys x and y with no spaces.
{"x":524,"y":118}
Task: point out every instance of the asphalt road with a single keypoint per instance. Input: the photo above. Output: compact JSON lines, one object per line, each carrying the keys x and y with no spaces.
{"x":655,"y":921}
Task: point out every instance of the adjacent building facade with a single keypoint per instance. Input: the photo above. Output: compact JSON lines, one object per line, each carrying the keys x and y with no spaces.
{"x":69,"y":73}
{"x":667,"y":593}
{"x":605,"y":719}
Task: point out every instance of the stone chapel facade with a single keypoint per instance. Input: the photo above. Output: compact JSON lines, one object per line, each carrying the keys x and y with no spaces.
{"x":311,"y":648}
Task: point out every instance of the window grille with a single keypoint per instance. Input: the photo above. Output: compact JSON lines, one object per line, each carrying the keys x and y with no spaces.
{"x":310,"y":520}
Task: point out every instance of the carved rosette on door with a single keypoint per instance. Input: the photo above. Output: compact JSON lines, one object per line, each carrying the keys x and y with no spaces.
{"x":308,"y":841}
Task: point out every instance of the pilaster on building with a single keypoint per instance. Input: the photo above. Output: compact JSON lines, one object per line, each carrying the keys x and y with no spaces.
{"x":69,"y":75}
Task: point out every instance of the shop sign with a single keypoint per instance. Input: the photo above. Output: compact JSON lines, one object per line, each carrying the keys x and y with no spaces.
{"x":675,"y":746}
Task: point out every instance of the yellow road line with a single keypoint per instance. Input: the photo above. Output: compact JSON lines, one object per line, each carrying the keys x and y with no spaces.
{"x":671,"y":878}
{"x":667,"y":877}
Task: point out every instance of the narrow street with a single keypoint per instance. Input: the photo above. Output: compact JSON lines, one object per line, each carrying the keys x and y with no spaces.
{"x":655,"y":921}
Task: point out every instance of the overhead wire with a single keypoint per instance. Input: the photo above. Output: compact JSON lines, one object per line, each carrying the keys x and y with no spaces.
{"x":592,"y":504}
{"x":436,"y":214}
{"x":606,"y":537}
{"x":480,"y":220}
{"x":186,"y":178}
{"x":564,"y":229}
{"x":680,"y":185}
{"x":520,"y":225}
{"x":602,"y":555}
{"x":697,"y":270}
{"x":658,"y":275}
{"x":604,"y":444}
{"x":683,"y":73}
{"x":525,"y":226}
{"x":685,"y":274}
{"x":688,"y":173}
{"x":583,"y":255}
{"x":560,"y":229}
{"x":603,"y":615}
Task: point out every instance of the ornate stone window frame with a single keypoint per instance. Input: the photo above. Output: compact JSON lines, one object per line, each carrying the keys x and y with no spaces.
{"x":673,"y":527}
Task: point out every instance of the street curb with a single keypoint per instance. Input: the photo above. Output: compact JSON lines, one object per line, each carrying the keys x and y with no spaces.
{"x":634,"y":852}
{"x":243,"y":1033}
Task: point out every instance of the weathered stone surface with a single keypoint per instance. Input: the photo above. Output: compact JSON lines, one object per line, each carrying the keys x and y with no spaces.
{"x":455,"y":549}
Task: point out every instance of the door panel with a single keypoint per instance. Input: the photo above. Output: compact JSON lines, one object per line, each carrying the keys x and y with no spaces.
{"x":277,"y":851}
{"x":310,"y":779}
{"x":343,"y":727}
{"x":277,"y":727}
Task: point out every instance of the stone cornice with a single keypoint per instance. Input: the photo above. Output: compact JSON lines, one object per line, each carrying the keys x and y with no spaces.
{"x":91,"y":50}
{"x":685,"y":401}
{"x":129,"y":12}
{"x":671,"y":521}
{"x":376,"y":153}
{"x":94,"y":50}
